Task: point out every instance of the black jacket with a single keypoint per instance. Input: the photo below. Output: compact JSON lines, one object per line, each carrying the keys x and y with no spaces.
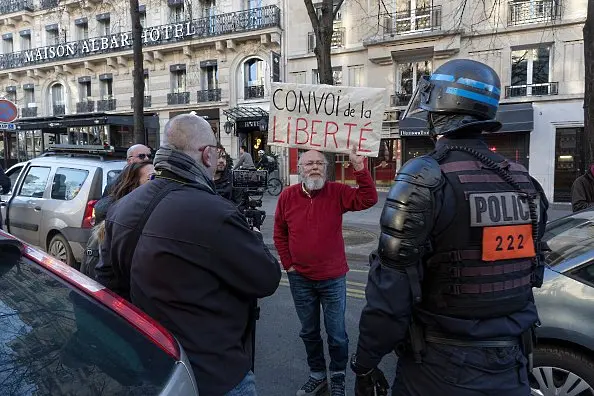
{"x":197,"y":269}
{"x":225,"y":188}
{"x":582,"y":192}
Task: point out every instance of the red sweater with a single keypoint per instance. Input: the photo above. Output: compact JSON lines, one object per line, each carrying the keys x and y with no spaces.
{"x":308,"y":230}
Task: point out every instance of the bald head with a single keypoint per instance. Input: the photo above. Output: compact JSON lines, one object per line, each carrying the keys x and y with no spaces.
{"x":193,"y":136}
{"x":312,"y":169}
{"x":188,"y":133}
{"x":138,"y":153}
{"x":311,"y":155}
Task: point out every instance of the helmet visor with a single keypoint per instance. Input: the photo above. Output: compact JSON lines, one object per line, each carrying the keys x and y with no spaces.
{"x":414,"y":110}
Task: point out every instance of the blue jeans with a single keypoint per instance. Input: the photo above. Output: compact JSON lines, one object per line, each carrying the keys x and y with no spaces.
{"x":247,"y":386}
{"x":308,"y":296}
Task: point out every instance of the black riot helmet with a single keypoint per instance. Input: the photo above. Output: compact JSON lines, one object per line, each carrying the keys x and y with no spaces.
{"x":461,"y":95}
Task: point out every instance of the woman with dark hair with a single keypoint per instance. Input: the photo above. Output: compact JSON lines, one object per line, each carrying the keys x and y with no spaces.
{"x":132,"y":177}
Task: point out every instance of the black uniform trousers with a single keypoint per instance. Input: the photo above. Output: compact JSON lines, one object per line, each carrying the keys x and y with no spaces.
{"x":463,"y":371}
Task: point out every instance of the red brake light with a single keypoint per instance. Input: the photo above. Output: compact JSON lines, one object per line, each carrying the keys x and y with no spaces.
{"x":141,"y":321}
{"x":89,"y":218}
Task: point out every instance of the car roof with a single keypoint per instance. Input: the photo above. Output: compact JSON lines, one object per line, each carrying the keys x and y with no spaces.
{"x":578,"y":260}
{"x":78,"y":160}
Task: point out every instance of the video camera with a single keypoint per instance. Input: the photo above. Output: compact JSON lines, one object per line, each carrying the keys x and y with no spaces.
{"x":252,"y":184}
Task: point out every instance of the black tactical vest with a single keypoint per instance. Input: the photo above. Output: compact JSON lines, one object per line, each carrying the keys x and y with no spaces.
{"x":482,"y":262}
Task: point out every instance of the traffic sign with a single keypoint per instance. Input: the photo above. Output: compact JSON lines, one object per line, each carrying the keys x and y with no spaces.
{"x":8,"y":111}
{"x":7,"y":126}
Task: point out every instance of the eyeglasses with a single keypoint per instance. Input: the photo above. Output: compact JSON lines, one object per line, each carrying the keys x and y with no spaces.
{"x":310,"y":164}
{"x":142,"y":156}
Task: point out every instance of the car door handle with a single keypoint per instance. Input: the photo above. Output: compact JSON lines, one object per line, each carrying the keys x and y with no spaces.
{"x":37,"y":208}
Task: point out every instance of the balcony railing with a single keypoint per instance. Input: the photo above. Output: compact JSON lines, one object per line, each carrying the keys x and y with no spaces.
{"x":417,"y":20}
{"x":87,"y":106}
{"x":209,"y":95}
{"x":254,"y":92}
{"x":47,"y":4}
{"x":59,"y":109}
{"x":544,"y":89}
{"x":29,"y":112}
{"x":147,"y":101}
{"x":106,"y":104}
{"x":217,"y":25}
{"x":533,"y":11}
{"x":8,"y":7}
{"x":338,"y":39}
{"x":400,"y":99}
{"x":176,"y":98}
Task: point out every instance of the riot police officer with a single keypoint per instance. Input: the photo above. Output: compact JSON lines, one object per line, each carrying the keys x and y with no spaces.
{"x":450,"y":285}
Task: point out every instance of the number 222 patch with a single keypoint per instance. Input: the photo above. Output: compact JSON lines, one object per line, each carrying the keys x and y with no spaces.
{"x":508,"y":242}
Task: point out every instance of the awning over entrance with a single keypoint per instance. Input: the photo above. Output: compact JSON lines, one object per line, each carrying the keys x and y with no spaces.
{"x":514,"y":117}
{"x":151,"y":121}
{"x":243,"y":113}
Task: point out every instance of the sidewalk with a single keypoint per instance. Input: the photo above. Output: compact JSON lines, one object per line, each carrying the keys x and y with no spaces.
{"x":361,"y":229}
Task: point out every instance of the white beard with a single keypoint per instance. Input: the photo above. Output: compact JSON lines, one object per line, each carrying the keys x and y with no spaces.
{"x":314,"y":184}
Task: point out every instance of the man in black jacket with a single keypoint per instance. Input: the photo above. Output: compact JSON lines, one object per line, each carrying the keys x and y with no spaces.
{"x":195,"y":266}
{"x":582,"y":191}
{"x":223,"y":180}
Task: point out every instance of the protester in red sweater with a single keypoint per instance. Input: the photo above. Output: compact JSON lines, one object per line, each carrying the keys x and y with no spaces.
{"x":308,"y":238}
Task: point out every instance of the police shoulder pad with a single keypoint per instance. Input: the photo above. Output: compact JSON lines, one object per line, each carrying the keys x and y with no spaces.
{"x":423,"y":171}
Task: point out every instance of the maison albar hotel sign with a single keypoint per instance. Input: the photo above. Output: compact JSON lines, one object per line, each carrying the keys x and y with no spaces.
{"x":216,"y":25}
{"x":120,"y":41}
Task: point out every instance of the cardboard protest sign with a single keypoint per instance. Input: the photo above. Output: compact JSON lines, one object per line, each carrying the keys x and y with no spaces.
{"x":326,"y":118}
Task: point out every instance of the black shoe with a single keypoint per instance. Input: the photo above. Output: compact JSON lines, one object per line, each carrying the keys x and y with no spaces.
{"x":337,"y":387}
{"x":314,"y":387}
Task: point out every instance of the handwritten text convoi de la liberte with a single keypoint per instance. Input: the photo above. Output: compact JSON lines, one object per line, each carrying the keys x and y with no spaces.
{"x":310,"y":125}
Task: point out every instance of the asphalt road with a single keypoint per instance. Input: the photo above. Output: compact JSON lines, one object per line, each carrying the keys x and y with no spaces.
{"x":281,"y":366}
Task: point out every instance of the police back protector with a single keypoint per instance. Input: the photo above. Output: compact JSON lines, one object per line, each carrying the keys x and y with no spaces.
{"x":482,"y":263}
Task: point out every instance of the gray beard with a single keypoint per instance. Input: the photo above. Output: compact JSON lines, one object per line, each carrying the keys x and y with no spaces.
{"x":314,"y":184}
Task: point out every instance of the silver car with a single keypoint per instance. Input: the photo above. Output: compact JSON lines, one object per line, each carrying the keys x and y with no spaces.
{"x":51,"y":201}
{"x":564,"y":355}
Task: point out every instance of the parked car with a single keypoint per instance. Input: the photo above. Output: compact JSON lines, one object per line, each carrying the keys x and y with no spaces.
{"x":564,"y":354}
{"x":51,"y":201}
{"x":62,"y":333}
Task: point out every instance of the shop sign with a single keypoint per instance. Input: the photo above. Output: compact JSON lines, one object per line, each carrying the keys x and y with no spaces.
{"x":413,"y":133}
{"x":150,"y":36}
{"x":326,"y":118}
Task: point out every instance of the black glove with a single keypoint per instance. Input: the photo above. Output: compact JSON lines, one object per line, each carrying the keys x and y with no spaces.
{"x":369,"y":382}
{"x":373,"y":383}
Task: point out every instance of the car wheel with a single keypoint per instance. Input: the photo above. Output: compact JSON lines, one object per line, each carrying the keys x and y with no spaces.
{"x":60,"y":249}
{"x":561,"y":372}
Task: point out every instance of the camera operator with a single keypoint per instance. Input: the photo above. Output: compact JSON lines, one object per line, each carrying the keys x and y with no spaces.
{"x":223,"y":182}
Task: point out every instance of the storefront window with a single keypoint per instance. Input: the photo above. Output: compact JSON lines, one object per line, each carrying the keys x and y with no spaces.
{"x":513,"y":146}
{"x":384,"y":167}
{"x":570,"y":161}
{"x":416,"y":146}
{"x":121,"y":136}
{"x":87,"y":135}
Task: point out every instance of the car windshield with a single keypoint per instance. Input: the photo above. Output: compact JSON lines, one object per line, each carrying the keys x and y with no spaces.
{"x":55,"y":340}
{"x":569,"y":237}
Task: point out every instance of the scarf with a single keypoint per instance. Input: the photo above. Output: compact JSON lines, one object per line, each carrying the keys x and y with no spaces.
{"x":182,"y":165}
